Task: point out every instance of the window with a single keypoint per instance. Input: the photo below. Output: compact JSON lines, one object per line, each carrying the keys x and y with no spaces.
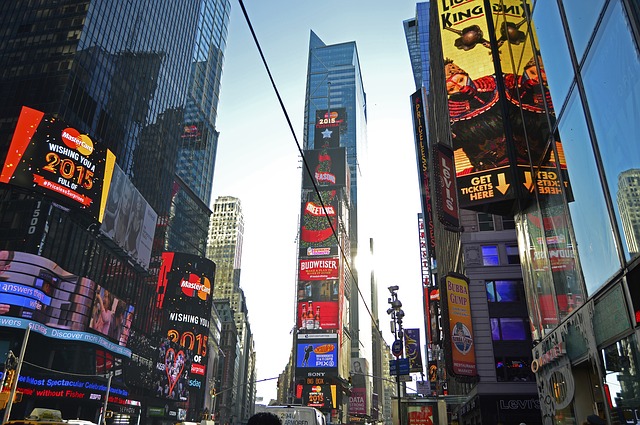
{"x":485,"y":222}
{"x":508,"y":329}
{"x":508,"y":223}
{"x":500,"y":291}
{"x":513,"y":256}
{"x":513,"y":369}
{"x":490,"y":255}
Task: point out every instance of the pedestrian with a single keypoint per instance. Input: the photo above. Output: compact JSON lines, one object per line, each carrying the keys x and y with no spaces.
{"x":595,"y":420}
{"x":264,"y":418}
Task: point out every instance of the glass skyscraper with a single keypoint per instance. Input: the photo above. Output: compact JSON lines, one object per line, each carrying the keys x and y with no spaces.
{"x":141,"y":79}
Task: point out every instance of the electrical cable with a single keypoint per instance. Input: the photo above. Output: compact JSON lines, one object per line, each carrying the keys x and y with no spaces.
{"x":306,"y":165}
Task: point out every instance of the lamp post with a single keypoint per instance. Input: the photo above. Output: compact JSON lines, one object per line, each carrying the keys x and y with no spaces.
{"x":397,"y":315}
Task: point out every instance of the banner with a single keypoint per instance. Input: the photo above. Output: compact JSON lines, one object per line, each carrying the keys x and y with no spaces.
{"x":463,"y":359}
{"x":413,"y":350}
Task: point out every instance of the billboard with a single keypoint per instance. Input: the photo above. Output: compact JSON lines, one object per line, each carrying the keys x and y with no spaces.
{"x":446,"y":192}
{"x":184,"y":291}
{"x":50,"y":157}
{"x":420,"y":414}
{"x":422,"y":151}
{"x":317,"y":315}
{"x":458,"y":311}
{"x":317,"y":354}
{"x":128,"y":219}
{"x":311,"y":252}
{"x":36,"y":292}
{"x":328,"y":127}
{"x":358,"y":401}
{"x":328,"y":168}
{"x":318,"y":223}
{"x":319,"y":268}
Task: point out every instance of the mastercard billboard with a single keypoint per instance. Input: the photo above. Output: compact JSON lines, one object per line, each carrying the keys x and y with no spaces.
{"x":184,"y":294}
{"x":54,"y":158}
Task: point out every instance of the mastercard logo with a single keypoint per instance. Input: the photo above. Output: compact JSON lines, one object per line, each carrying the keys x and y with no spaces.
{"x":196,"y":286}
{"x":74,"y":140}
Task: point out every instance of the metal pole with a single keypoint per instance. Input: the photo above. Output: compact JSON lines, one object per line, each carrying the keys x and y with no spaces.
{"x":14,"y":384}
{"x":103,"y":415}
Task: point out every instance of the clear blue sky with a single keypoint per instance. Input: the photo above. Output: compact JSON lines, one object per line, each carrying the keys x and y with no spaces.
{"x":258,"y":160}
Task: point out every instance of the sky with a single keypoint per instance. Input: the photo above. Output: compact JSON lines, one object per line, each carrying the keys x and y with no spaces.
{"x":258,"y":160}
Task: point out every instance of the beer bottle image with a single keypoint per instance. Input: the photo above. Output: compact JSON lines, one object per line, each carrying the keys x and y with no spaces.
{"x":310,"y":318}
{"x":316,"y":322}
{"x":303,"y":316}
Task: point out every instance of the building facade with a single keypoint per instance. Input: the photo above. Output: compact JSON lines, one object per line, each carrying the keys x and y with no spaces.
{"x":122,"y":78}
{"x":553,"y":85}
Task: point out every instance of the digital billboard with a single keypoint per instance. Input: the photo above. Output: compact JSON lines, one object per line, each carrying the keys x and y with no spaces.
{"x":318,"y":223}
{"x":36,"y":292}
{"x":128,"y":219}
{"x":319,"y":354}
{"x":328,"y":168}
{"x":184,"y":291}
{"x":319,"y":268}
{"x":317,"y":315}
{"x":53,"y":158}
{"x":328,"y":127}
{"x":458,"y":312}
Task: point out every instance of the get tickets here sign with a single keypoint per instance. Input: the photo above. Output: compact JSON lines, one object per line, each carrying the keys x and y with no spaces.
{"x":51,"y":157}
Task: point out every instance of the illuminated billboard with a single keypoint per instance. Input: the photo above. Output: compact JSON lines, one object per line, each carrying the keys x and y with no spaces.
{"x":185,"y":285}
{"x":328,"y":127}
{"x":461,"y":351}
{"x":36,"y":292}
{"x":128,"y":219}
{"x":53,"y":158}
{"x":318,"y":223}
{"x":446,"y":192}
{"x":328,"y":168}
{"x":420,"y":414}
{"x":317,"y":315}
{"x":319,"y":268}
{"x":317,"y":354}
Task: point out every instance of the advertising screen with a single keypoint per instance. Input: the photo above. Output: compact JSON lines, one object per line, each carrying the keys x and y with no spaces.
{"x":328,"y":127}
{"x":184,"y":290}
{"x":328,"y":168}
{"x":317,"y":315}
{"x":37,"y":290}
{"x":460,"y":328}
{"x":320,"y":354}
{"x":420,"y":415}
{"x":51,"y":157}
{"x":319,"y":268}
{"x":128,"y":219}
{"x":318,"y":223}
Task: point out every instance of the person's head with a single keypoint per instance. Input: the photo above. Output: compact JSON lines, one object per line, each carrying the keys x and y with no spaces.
{"x":595,"y":420}
{"x":264,"y":418}
{"x":6,"y":257}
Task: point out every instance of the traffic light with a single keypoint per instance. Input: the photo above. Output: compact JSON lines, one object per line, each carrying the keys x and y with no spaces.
{"x":8,"y":381}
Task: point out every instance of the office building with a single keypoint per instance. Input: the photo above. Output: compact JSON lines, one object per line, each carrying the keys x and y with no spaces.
{"x":103,"y":76}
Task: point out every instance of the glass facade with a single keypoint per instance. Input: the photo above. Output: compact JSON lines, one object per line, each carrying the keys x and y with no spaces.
{"x":142,"y":79}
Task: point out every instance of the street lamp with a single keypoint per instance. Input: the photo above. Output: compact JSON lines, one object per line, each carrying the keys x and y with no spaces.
{"x":397,"y":315}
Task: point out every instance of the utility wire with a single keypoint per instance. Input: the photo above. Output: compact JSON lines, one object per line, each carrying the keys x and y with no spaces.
{"x":306,"y":165}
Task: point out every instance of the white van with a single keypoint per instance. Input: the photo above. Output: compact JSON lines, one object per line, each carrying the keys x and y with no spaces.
{"x":298,"y":415}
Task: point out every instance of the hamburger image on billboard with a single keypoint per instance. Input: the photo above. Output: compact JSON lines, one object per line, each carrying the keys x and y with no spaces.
{"x":52,"y":157}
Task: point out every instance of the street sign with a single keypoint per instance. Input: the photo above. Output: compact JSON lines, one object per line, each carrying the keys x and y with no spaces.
{"x":396,"y":348}
{"x":399,"y":365}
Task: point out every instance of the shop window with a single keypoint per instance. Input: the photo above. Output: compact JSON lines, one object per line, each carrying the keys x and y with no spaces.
{"x":622,"y":379}
{"x":485,"y":222}
{"x":508,"y":329}
{"x":490,"y":255}
{"x":500,"y":291}
{"x":513,"y":256}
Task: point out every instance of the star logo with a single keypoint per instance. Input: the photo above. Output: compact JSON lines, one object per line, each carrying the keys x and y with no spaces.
{"x":326,"y":134}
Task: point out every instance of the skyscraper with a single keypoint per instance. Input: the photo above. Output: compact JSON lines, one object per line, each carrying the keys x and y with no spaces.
{"x":335,"y":150}
{"x":122,"y":77}
{"x":628,"y":198}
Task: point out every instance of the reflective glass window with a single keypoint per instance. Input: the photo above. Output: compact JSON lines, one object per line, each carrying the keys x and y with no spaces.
{"x":594,"y":243}
{"x":485,"y":222}
{"x":508,"y":329}
{"x":490,"y":255}
{"x":504,"y":291}
{"x":622,"y":377}
{"x":513,"y":257}
{"x":554,"y":49}
{"x":582,"y":21}
{"x":612,"y":89}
